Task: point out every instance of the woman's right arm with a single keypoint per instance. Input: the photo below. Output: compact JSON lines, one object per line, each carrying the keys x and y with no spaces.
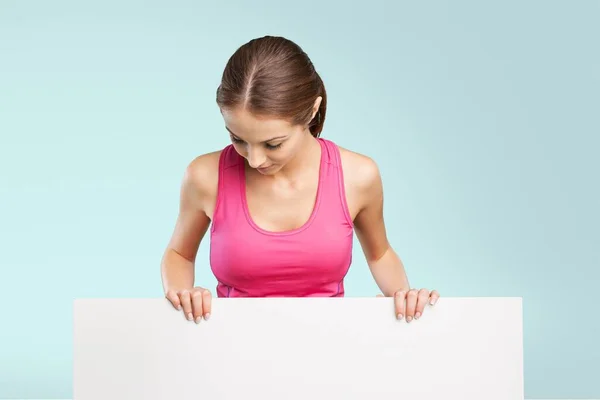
{"x":197,"y":195}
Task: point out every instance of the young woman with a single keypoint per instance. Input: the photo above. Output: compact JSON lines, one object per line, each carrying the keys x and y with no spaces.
{"x":282,"y":203}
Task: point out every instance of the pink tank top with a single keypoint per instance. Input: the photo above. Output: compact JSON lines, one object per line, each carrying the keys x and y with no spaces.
{"x":311,"y":260}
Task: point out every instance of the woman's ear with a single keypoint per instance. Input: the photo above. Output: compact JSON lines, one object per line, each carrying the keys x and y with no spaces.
{"x":316,"y":105}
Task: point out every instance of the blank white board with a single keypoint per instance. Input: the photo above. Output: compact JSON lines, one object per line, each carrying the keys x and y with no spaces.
{"x":298,"y":348}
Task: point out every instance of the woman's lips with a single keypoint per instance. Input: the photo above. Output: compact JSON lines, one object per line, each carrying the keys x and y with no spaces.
{"x":264,"y":169}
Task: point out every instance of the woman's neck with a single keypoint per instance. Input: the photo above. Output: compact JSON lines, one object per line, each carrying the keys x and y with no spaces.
{"x":306,"y":160}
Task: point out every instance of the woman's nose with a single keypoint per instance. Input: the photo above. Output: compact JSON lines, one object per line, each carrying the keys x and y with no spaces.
{"x":255,"y":158}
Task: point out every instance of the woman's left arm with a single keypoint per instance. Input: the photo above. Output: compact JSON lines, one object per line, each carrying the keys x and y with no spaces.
{"x":385,"y":265}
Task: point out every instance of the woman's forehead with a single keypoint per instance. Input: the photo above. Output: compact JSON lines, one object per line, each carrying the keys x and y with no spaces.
{"x":249,"y":127}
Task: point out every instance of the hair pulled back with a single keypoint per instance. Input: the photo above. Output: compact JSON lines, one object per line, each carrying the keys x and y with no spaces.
{"x":272,"y":76}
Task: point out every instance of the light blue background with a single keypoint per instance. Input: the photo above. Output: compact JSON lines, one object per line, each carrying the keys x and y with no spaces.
{"x":484,"y":120}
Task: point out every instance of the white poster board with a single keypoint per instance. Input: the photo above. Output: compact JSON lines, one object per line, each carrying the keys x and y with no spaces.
{"x":298,"y":348}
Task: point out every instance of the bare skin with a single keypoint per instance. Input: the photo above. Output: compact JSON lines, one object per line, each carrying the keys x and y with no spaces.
{"x":281,"y":196}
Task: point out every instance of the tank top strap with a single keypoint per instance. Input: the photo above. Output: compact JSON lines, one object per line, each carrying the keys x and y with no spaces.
{"x":332,"y":182}
{"x":228,"y":200}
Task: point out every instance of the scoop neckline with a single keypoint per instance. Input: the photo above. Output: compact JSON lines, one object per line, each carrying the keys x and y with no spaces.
{"x":316,"y":204}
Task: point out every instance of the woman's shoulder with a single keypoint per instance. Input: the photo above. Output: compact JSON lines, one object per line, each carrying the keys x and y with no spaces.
{"x":360,"y":171}
{"x":201,"y":177}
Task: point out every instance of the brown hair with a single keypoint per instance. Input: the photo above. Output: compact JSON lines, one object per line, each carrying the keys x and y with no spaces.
{"x":273,"y":77}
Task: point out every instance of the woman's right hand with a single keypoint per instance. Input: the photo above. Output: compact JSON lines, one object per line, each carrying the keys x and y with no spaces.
{"x":196,"y":302}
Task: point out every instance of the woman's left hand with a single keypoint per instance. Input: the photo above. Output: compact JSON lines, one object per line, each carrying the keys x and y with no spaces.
{"x":411,"y":304}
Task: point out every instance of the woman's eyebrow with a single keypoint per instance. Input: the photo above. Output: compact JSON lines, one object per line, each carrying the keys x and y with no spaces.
{"x":264,"y":141}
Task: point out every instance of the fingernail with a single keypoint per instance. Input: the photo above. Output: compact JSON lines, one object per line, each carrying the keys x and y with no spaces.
{"x":408,"y":319}
{"x":399,"y":316}
{"x":432,"y":302}
{"x":198,"y":319}
{"x":190,"y":317}
{"x":207,"y":316}
{"x":417,"y":315}
{"x":178,"y":308}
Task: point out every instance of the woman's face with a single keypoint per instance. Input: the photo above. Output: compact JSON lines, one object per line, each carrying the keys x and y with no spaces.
{"x":267,"y":144}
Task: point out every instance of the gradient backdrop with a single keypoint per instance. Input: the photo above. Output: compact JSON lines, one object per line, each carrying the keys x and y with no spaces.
{"x":484,"y":120}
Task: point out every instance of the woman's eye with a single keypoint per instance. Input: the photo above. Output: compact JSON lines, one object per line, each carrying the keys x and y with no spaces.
{"x":268,"y":146}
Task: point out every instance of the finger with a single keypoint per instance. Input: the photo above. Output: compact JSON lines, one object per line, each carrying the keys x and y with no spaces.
{"x":399,"y":303}
{"x":422,"y":298}
{"x":206,"y":303}
{"x":197,"y":305}
{"x":186,"y":303}
{"x":174,"y":299}
{"x":411,"y":303}
{"x":433,"y":297}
